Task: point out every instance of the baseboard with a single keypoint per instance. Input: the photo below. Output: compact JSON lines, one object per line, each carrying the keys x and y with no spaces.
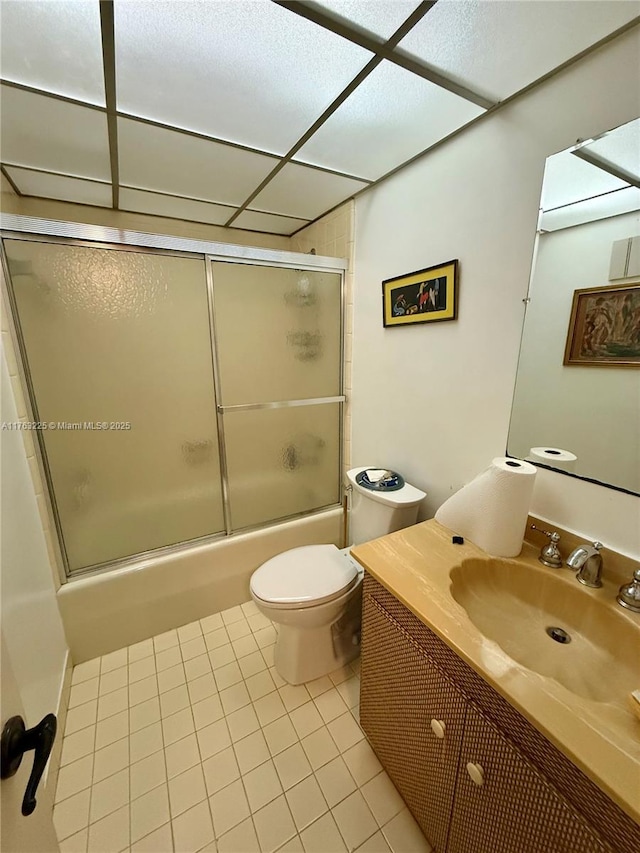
{"x":53,"y":767}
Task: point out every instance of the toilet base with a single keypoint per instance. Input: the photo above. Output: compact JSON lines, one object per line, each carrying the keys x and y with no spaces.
{"x":303,"y":654}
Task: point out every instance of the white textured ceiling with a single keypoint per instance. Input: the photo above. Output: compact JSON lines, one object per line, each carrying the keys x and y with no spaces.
{"x":260,"y":114}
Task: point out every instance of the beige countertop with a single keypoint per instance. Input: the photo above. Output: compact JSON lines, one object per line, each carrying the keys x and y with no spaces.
{"x":601,"y":737}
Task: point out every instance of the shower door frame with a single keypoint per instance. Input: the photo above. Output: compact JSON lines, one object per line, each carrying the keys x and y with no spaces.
{"x":34,"y":229}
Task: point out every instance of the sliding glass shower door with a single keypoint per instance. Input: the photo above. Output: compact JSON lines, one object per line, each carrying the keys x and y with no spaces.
{"x":278,"y":337}
{"x":118,"y":351}
{"x":176,"y":396}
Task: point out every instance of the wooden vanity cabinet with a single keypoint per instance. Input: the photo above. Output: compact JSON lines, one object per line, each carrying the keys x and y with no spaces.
{"x":531,"y":798}
{"x":402,"y":698}
{"x":514,"y":809}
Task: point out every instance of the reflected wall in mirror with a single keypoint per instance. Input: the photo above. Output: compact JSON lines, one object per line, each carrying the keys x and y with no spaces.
{"x":577,"y":418}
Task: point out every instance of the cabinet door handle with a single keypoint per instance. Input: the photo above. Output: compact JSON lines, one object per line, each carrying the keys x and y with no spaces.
{"x":476,"y":772}
{"x":438,"y":728}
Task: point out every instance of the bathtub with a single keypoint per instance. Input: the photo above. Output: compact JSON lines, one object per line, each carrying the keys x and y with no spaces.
{"x":116,"y":608}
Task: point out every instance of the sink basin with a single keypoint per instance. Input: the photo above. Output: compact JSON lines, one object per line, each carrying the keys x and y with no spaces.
{"x":520,"y":607}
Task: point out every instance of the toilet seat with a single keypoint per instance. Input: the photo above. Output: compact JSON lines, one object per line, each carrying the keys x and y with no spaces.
{"x":304,"y":577}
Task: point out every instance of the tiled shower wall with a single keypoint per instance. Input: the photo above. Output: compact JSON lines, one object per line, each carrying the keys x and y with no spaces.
{"x":334,"y":236}
{"x":29,"y":441}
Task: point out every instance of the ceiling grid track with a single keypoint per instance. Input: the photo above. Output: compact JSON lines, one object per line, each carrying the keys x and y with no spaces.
{"x":107,"y":28}
{"x":341,"y":27}
{"x":174,"y":129}
{"x":610,"y":168}
{"x":501,"y":104}
{"x":364,"y":36}
{"x":416,"y":16}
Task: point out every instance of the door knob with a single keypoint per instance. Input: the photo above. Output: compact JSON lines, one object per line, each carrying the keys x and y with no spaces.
{"x":16,"y":739}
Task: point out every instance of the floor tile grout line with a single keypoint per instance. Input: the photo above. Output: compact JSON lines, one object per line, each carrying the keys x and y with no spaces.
{"x":278,"y":690}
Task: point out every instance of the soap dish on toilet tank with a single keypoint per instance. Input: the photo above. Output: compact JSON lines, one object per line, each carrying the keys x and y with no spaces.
{"x":380,"y":480}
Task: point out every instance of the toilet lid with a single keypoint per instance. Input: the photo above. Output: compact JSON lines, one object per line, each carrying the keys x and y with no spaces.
{"x":311,"y":574}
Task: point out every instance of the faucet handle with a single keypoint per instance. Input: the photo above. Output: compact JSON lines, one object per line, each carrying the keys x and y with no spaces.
{"x":549,"y":554}
{"x":629,"y":593}
{"x":552,"y":534}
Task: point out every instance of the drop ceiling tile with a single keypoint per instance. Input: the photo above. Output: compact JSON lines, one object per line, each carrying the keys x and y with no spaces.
{"x":253,"y":220}
{"x":54,"y":46}
{"x":626,"y":200}
{"x":155,"y":158}
{"x":60,"y":187}
{"x":46,"y":133}
{"x":567,"y":179}
{"x":300,"y":191}
{"x":621,"y":147}
{"x":497,"y":48}
{"x":140,"y":201}
{"x":390,"y":117}
{"x":376,"y":16}
{"x":247,"y":72}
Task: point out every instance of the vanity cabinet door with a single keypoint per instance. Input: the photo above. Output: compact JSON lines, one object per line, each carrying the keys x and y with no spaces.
{"x":402,"y":693}
{"x":503,"y":804}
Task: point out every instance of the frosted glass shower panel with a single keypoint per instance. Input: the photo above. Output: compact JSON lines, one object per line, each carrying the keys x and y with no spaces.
{"x":278,"y":333}
{"x":282,"y":461}
{"x":121,"y":338}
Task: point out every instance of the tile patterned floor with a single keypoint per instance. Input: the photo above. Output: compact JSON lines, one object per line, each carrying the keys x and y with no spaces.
{"x":192,"y":742}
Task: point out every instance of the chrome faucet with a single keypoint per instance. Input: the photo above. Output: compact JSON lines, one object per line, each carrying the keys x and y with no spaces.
{"x":629,"y":593}
{"x":588,"y":560}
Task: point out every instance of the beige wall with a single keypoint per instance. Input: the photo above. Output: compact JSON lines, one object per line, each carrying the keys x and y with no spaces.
{"x":434,"y":400}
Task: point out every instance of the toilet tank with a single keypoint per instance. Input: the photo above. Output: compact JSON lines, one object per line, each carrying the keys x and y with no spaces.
{"x":375,"y":514}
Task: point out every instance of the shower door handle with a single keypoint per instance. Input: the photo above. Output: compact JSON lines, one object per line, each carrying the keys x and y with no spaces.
{"x":16,"y":739}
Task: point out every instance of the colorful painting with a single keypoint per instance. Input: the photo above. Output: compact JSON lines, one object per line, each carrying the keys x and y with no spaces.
{"x":604,"y":328}
{"x":421,"y":297}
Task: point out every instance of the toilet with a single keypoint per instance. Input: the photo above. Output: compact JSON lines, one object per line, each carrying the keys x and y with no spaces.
{"x":314,"y":593}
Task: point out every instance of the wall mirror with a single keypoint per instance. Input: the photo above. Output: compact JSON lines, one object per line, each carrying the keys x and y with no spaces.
{"x":576,"y":404}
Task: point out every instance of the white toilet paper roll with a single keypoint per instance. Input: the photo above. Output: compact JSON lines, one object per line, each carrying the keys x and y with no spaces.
{"x":554,"y":456}
{"x":492,"y":509}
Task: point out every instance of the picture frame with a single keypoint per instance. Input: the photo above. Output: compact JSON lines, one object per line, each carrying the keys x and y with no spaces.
{"x":425,"y":296}
{"x":604,"y":327}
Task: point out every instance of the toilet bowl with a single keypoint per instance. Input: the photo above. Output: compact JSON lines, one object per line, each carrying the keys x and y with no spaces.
{"x":313,"y":594}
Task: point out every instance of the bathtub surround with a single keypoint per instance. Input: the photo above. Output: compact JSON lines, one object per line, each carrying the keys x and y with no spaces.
{"x":448,"y":388}
{"x":196,"y":468}
{"x":150,"y":597}
{"x":127,"y":605}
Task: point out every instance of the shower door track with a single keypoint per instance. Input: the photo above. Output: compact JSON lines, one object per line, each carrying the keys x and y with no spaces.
{"x":34,"y":229}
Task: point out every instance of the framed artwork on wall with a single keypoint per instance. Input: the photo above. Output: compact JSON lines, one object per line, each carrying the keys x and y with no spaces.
{"x":604,"y":328}
{"x":424,"y":296}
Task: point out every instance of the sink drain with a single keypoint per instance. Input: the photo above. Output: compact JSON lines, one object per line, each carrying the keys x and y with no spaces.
{"x":558,"y":634}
